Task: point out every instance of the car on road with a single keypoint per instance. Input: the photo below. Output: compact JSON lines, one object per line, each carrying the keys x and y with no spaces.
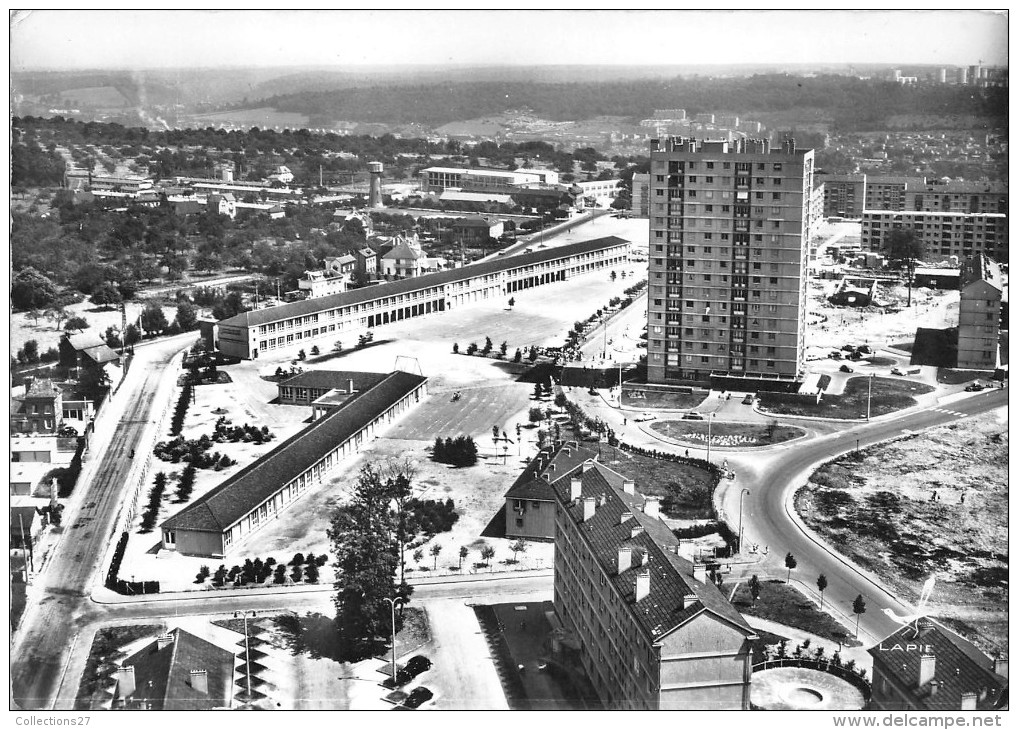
{"x":905,"y":371}
{"x":848,"y":348}
{"x":645,"y":417}
{"x":846,"y":369}
{"x":692,"y":416}
{"x":836,"y":355}
{"x":865,"y":349}
{"x":975,"y":387}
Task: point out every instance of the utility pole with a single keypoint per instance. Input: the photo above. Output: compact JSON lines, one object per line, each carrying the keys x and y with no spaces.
{"x":392,"y":607}
{"x":869,"y":395}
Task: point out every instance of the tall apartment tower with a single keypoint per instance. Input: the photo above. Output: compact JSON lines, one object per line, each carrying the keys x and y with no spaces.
{"x":729,"y":227}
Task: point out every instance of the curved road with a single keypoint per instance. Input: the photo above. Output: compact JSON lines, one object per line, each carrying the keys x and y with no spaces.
{"x":772,"y":478}
{"x":60,"y":594}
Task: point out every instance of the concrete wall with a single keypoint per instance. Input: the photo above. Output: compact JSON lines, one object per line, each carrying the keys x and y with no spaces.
{"x":194,"y":542}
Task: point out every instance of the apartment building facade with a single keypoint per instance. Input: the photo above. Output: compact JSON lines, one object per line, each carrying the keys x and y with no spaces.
{"x":942,"y":233}
{"x":729,"y":228}
{"x":648,"y":628}
{"x":844,"y":195}
{"x":982,"y":288}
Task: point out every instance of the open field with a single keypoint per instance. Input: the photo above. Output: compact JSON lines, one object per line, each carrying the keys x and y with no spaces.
{"x":879,"y":509}
{"x":887,"y":396}
{"x":732,"y":435}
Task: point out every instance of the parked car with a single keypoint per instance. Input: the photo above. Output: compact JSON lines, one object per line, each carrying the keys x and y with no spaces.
{"x":418,"y":697}
{"x":836,"y":355}
{"x":748,"y":399}
{"x":692,"y":416}
{"x":846,"y":369}
{"x":645,"y":417}
{"x":417,"y":665}
{"x":975,"y":387}
{"x":848,"y":348}
{"x":864,"y":349}
{"x":897,"y":371}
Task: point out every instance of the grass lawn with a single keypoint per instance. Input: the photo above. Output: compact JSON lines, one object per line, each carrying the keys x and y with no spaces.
{"x":688,"y":487}
{"x":904,"y":346}
{"x":888,"y":396}
{"x":633,"y":397}
{"x":727,"y":434}
{"x":783,"y":604}
{"x":99,"y":667}
{"x":950,"y":376}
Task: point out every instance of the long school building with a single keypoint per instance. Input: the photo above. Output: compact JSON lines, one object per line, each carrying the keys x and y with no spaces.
{"x":217,"y":522}
{"x":323,"y":320}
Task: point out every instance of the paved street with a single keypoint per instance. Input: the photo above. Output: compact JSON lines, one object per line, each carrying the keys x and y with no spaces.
{"x":58,"y":597}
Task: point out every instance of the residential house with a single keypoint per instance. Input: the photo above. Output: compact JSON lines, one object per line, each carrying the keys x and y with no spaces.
{"x":223,"y":204}
{"x":178,"y":671}
{"x":404,"y":260}
{"x":476,"y":230}
{"x":982,"y":289}
{"x":924,"y":666}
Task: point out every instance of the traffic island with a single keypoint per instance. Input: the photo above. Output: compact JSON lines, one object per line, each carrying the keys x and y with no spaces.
{"x":859,"y":399}
{"x":730,"y":435}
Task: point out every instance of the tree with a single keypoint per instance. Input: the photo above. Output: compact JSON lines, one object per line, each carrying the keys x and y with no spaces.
{"x":487,"y":346}
{"x":822,"y":586}
{"x":520,"y":546}
{"x":487,"y":553}
{"x":153,"y":320}
{"x":76,"y":323}
{"x":56,"y":315}
{"x":754,"y":587}
{"x":132,"y":335}
{"x":858,"y":608}
{"x":464,"y":552}
{"x":106,"y":294}
{"x":31,"y":289}
{"x":790,"y":564}
{"x":435,"y":550}
{"x":187,"y":316}
{"x":455,"y":348}
{"x":904,"y":250}
{"x":535,"y":415}
{"x":418,"y":556}
{"x":366,"y":558}
{"x":29,"y":353}
{"x":112,"y":337}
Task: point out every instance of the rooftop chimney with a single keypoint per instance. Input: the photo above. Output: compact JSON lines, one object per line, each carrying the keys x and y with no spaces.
{"x":125,"y":681}
{"x":625,"y":516}
{"x":588,"y":508}
{"x":689,"y":599}
{"x":642,"y":585}
{"x":566,"y":451}
{"x":1000,"y":665}
{"x":927,"y":668}
{"x":349,"y":385}
{"x":700,"y":572}
{"x":625,"y":559}
{"x":651,"y":507}
{"x":629,"y":486}
{"x":164,"y":641}
{"x":637,"y":529}
{"x":575,"y":487}
{"x":934,"y":686}
{"x":968,"y":700}
{"x":200,"y":681}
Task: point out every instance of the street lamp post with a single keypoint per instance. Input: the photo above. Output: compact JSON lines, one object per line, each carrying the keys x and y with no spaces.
{"x":392,"y":607}
{"x":741,"y":498}
{"x":710,"y":420}
{"x":247,"y":647}
{"x":869,"y":395}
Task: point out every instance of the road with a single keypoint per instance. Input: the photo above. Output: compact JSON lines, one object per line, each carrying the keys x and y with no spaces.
{"x":773,"y":476}
{"x":60,"y":592}
{"x":436,"y":595}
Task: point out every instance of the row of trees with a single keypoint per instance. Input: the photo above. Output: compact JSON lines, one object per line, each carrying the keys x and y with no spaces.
{"x":458,"y":451}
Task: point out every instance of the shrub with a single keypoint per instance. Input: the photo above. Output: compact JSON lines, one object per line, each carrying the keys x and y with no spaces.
{"x":155,"y":498}
{"x":461,"y":451}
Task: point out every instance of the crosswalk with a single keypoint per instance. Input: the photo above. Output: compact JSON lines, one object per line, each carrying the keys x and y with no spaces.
{"x":948,"y":411}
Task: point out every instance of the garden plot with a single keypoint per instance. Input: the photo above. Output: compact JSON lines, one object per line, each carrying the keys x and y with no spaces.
{"x":930,"y":504}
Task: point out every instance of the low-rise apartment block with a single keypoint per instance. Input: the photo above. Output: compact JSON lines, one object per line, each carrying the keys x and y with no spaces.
{"x":982,"y":288}
{"x":942,"y":234}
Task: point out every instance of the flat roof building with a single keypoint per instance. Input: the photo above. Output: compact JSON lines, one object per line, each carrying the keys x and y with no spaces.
{"x":943,"y":234}
{"x":729,"y":229}
{"x":982,"y":289}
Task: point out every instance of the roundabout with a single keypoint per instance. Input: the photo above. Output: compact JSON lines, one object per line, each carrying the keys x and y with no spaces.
{"x":799,"y":688}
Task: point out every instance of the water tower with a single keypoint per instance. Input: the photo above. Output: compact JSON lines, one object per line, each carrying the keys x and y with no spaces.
{"x":375,"y":190}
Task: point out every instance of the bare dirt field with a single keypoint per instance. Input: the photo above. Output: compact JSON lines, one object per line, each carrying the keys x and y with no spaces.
{"x":879,"y":508}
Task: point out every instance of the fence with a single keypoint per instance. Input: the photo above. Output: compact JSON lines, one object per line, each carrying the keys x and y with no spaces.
{"x":855,"y":678}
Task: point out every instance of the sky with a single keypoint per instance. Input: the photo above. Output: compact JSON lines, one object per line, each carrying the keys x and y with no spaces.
{"x":100,"y":39}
